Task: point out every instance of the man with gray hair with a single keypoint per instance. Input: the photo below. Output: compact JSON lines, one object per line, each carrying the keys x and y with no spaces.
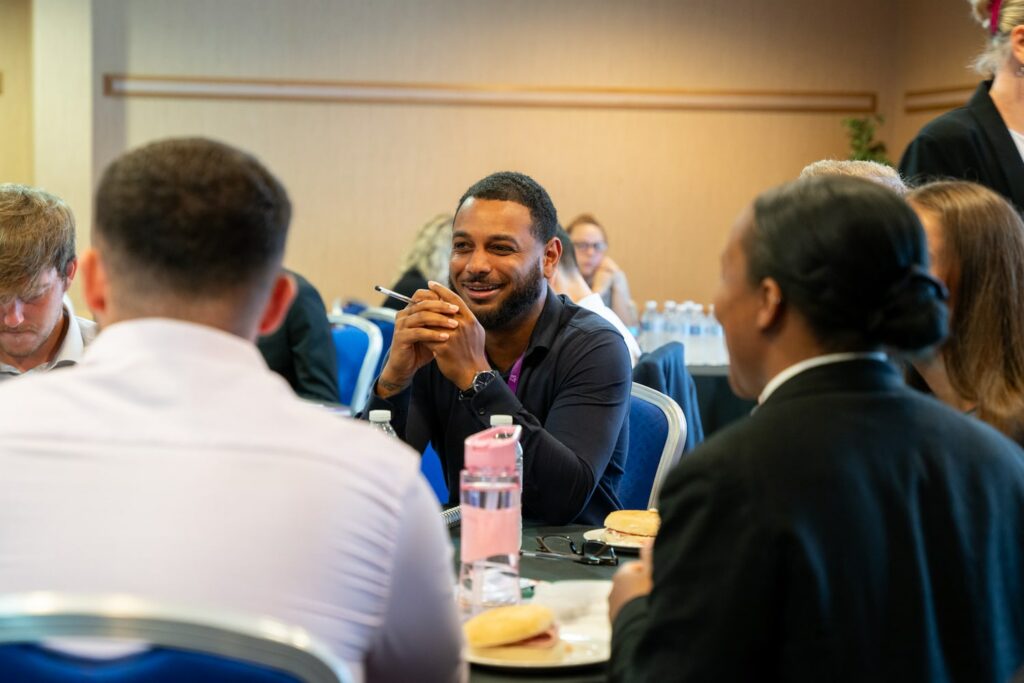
{"x":886,"y":176}
{"x":38,"y":329}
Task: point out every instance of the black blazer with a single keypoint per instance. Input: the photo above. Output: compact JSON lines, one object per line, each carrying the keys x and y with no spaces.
{"x":849,"y":530}
{"x":969,"y":143}
{"x":302,"y":349}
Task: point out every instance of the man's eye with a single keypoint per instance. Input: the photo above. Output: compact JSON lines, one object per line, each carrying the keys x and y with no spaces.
{"x":502,"y":248}
{"x":460,"y":246}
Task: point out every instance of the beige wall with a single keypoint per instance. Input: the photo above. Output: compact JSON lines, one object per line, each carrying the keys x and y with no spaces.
{"x":363,"y":177}
{"x":15,"y":92}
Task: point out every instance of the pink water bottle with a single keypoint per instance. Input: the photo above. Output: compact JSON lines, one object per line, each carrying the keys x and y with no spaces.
{"x":491,"y":519}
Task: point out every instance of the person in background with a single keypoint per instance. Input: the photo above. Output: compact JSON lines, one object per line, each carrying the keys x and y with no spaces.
{"x":601,"y":272}
{"x":500,"y":342}
{"x":302,"y":350}
{"x":850,"y":529}
{"x":982,"y":141}
{"x":427,"y":259}
{"x":872,"y":170}
{"x":976,"y":244}
{"x":172,"y":465}
{"x":38,"y":330}
{"x":568,"y":280}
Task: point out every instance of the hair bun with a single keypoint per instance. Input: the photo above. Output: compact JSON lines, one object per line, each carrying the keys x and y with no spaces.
{"x":982,"y":11}
{"x":913,"y":313}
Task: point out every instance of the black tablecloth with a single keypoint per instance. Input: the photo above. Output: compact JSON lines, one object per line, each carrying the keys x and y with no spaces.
{"x":546,"y":570}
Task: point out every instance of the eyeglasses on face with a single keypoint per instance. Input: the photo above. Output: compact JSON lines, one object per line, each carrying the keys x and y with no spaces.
{"x":590,"y":246}
{"x":590,"y":552}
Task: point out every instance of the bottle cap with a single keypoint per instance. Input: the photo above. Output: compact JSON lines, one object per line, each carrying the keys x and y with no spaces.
{"x":501,"y":420}
{"x":380,"y":416}
{"x":484,"y":450}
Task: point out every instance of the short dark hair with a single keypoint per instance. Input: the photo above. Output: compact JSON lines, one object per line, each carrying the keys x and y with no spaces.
{"x":192,"y":217}
{"x":568,"y":262}
{"x":509,"y":186}
{"x":850,"y":256}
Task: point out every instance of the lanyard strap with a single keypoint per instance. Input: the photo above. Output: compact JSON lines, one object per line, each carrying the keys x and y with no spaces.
{"x":513,"y":375}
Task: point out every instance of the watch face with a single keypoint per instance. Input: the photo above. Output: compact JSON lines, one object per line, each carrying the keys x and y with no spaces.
{"x":482,"y":379}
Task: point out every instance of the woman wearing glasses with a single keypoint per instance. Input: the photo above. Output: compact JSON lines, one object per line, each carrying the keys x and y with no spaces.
{"x":851,"y":529}
{"x":602,"y":274}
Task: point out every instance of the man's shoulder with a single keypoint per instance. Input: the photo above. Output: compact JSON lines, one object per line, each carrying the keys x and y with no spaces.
{"x":585,"y":323}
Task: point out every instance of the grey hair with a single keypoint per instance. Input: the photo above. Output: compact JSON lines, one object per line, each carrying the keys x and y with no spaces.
{"x":1011,"y":15}
{"x":886,"y":176}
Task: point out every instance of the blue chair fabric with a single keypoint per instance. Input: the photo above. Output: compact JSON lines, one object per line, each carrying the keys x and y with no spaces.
{"x":384,"y":319}
{"x":657,"y":432}
{"x":357,"y":346}
{"x":430,"y":467}
{"x":664,"y":370}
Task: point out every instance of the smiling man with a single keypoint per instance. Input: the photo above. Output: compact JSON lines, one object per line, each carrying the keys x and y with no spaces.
{"x":38,"y":331}
{"x":497,"y":341}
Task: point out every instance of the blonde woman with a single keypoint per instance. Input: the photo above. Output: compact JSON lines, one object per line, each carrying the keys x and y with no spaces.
{"x":982,"y":141}
{"x":976,"y":245}
{"x":427,"y":259}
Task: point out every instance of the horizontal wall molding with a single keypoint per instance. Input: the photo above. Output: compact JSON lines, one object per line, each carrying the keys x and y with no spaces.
{"x":937,"y":99}
{"x":201,"y":87}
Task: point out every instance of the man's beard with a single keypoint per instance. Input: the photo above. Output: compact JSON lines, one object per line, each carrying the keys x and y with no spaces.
{"x":524,"y":294}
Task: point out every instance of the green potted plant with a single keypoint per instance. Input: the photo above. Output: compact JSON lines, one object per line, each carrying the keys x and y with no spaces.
{"x":863,"y":146}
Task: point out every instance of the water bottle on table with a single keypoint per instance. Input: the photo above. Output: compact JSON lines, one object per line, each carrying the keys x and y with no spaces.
{"x":381,"y":420}
{"x":491,"y":521}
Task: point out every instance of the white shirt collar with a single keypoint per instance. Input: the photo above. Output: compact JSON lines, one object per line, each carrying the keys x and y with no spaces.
{"x":795,"y":369}
{"x":164,"y":336}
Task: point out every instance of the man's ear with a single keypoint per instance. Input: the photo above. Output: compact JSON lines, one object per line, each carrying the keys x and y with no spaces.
{"x":282,"y":293}
{"x":552,"y":255}
{"x":95,"y":283}
{"x":69,"y":273}
{"x":769,"y":312}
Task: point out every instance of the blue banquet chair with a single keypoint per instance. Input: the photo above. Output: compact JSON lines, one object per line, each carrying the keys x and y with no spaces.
{"x":357,"y":344}
{"x":657,"y":432}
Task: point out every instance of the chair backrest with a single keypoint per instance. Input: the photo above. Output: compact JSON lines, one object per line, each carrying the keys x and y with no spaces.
{"x":185,"y":644}
{"x":657,"y":431}
{"x":384,"y":319}
{"x":664,"y":369}
{"x":357,"y":344}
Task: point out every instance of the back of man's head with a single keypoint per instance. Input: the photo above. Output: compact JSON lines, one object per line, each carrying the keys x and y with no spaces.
{"x":884,"y":175}
{"x":37,"y":232}
{"x":190,"y":220}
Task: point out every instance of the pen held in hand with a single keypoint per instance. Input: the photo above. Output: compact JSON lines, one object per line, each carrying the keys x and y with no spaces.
{"x":393,"y":294}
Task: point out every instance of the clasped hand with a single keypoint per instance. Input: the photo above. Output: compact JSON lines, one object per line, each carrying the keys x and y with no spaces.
{"x":436,"y":325}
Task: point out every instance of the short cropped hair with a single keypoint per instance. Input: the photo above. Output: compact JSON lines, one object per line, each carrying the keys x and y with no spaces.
{"x":191,"y":218}
{"x":37,"y":232}
{"x":872,"y":170}
{"x":509,"y":186}
{"x":850,"y":256}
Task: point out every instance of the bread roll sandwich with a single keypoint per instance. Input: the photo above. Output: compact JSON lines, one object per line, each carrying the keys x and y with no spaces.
{"x":631,"y":527}
{"x":517,"y":632}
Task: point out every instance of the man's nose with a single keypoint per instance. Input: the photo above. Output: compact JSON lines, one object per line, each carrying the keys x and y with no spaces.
{"x":13,"y":313}
{"x":479,"y":262}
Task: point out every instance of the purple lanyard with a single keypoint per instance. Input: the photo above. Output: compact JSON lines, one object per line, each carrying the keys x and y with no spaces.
{"x":513,"y":375}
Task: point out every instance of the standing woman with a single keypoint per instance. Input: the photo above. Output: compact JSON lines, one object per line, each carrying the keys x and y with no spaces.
{"x":984,"y":140}
{"x":602,"y":274}
{"x":976,"y":245}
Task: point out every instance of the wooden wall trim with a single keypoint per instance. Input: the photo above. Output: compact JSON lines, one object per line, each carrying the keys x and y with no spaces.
{"x":937,"y":99}
{"x":203,"y":87}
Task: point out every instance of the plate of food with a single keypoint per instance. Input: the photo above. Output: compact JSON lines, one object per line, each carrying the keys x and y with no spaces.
{"x":565,"y":626}
{"x":627,"y":529}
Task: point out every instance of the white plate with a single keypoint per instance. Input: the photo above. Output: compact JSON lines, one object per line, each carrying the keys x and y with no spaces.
{"x":619,"y":544}
{"x":581,"y":609}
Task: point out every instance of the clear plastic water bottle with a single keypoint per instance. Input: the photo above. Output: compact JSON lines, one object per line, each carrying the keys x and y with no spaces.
{"x":491,"y":518}
{"x":695,"y":327}
{"x":381,"y":419}
{"x":506,"y":421}
{"x":651,"y":326}
{"x":721,"y":351}
{"x":670,"y":330}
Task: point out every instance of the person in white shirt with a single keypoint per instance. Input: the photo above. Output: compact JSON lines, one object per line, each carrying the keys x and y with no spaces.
{"x":38,"y":329}
{"x":568,"y":280}
{"x":173,"y":465}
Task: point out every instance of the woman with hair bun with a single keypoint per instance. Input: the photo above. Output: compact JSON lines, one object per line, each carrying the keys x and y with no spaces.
{"x":850,"y":529}
{"x":976,"y":242}
{"x":982,"y":141}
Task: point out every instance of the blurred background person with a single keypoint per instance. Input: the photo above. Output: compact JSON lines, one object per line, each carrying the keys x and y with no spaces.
{"x":982,"y":141}
{"x":302,"y":349}
{"x":850,"y":529}
{"x":568,"y":280}
{"x":602,"y":274}
{"x":427,"y":259}
{"x":872,"y":170}
{"x":976,"y":244}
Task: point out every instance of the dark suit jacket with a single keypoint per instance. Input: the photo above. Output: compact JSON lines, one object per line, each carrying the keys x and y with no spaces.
{"x":302,"y":349}
{"x":849,"y":530}
{"x":970,"y":143}
{"x":664,"y":370}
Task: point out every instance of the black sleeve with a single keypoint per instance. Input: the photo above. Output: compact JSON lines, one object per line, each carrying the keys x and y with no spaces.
{"x":717,"y":586}
{"x":312,"y":346}
{"x":565,"y":457}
